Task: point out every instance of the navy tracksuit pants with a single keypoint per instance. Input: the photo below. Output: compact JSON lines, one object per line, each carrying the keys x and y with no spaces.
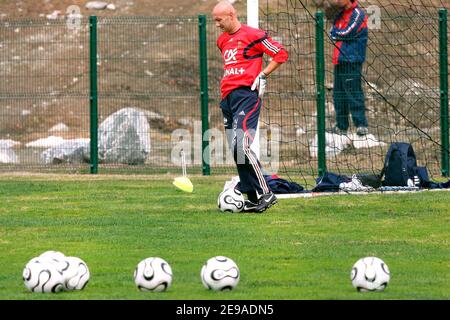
{"x":348,"y":95}
{"x":241,"y":110}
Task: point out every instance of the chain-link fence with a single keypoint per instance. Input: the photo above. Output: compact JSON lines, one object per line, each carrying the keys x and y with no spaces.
{"x":44,"y":90}
{"x":147,"y":72}
{"x":147,"y":77}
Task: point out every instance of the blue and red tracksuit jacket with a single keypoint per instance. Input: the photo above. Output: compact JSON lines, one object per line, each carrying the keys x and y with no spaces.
{"x":350,"y":34}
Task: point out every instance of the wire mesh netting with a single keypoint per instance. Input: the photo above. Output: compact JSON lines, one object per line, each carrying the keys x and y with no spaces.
{"x":148,"y":81}
{"x":44,"y":92}
{"x":152,"y":65}
{"x":148,"y":74}
{"x":400,"y":79}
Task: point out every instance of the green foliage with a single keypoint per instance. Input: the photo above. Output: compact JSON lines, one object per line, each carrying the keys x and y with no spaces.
{"x":299,"y":249}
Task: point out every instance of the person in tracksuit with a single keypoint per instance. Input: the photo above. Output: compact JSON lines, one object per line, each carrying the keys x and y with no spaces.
{"x":242,"y":87}
{"x":350,"y":34}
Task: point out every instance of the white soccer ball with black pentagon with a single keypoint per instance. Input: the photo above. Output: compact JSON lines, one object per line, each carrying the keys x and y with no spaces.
{"x":76,"y":275}
{"x":40,"y":275}
{"x":153,"y":274}
{"x":370,"y":274}
{"x":231,"y":200}
{"x":220,"y":273}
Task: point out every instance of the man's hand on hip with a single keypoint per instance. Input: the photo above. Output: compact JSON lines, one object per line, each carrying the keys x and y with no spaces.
{"x":260,"y":84}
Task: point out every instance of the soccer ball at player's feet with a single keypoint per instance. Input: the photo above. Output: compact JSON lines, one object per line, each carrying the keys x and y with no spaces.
{"x":231,"y":200}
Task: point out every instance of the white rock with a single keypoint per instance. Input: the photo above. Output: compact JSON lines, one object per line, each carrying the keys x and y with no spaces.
{"x":111,"y":6}
{"x":53,"y":15}
{"x":8,"y":143}
{"x":185,"y":122}
{"x":153,"y":115}
{"x":299,"y":132}
{"x":124,"y":137}
{"x":8,"y":156}
{"x":79,"y":140}
{"x":334,"y":144}
{"x":70,"y":151}
{"x":48,"y":142}
{"x":59,"y":127}
{"x":336,"y":141}
{"x":96,"y":5}
{"x":367,"y":141}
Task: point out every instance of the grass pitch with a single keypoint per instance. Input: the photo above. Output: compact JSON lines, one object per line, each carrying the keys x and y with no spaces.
{"x":299,"y":249}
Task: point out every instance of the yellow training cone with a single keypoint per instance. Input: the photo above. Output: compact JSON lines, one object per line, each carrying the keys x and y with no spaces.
{"x":183,"y":183}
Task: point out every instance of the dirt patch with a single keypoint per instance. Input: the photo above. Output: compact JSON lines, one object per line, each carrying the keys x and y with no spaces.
{"x":40,"y":8}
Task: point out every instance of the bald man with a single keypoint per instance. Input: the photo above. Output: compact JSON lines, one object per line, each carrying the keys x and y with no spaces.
{"x":242,"y":88}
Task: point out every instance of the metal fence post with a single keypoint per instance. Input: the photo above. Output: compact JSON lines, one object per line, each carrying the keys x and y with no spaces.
{"x":93,"y":95}
{"x":443,"y":63}
{"x":204,"y":93}
{"x":320,"y":98}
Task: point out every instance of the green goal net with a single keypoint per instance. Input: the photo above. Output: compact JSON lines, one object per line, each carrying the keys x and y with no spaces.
{"x":401,"y":79}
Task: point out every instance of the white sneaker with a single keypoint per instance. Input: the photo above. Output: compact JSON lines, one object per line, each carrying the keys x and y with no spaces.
{"x":354,"y":185}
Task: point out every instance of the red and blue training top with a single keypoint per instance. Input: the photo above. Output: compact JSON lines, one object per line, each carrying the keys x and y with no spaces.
{"x":242,"y":54}
{"x":351,"y":35}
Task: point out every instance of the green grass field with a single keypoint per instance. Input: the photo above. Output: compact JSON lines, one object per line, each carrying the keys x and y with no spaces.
{"x":299,"y":249}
